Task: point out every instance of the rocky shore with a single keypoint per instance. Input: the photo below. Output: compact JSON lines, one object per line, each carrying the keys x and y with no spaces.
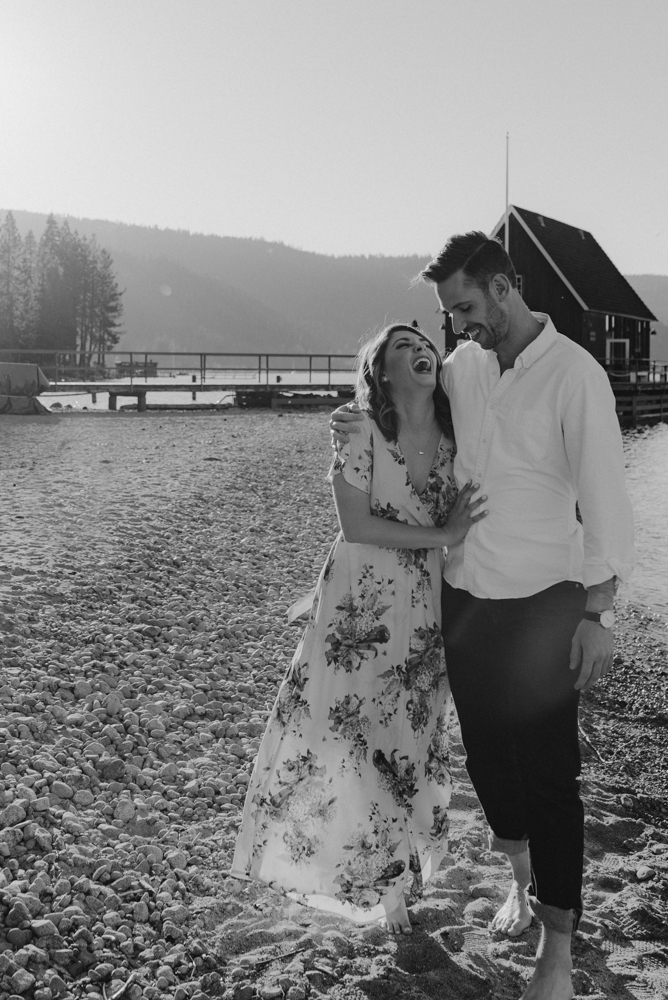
{"x":146,"y":567}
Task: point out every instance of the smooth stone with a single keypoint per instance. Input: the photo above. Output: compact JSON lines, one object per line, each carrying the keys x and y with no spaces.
{"x":484,"y":890}
{"x":17,"y":914}
{"x":62,"y":790}
{"x":125,"y":810}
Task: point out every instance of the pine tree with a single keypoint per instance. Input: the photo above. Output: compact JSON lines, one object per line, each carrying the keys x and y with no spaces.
{"x":84,"y":299}
{"x":56,"y":325}
{"x":11,"y":250}
{"x":58,"y":295}
{"x":27,"y":293}
{"x":109,"y":306}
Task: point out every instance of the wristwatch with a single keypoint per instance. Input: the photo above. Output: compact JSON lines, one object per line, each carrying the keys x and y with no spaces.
{"x":604,"y":618}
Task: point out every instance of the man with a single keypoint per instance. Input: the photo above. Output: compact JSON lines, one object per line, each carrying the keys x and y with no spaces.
{"x":528,"y":595}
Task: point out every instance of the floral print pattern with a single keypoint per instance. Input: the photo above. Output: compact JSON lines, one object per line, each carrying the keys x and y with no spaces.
{"x":350,"y":725}
{"x":357,"y":627}
{"x":348,"y":801}
{"x":369,"y":864}
{"x":422,"y":673}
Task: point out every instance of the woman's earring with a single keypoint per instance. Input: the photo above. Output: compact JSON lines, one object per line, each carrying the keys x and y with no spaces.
{"x":384,"y":378}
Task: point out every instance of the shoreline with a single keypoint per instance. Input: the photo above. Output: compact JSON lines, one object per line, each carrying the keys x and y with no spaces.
{"x":144,"y":591}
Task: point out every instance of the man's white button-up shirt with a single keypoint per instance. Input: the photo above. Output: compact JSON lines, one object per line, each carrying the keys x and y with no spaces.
{"x":538,"y":438}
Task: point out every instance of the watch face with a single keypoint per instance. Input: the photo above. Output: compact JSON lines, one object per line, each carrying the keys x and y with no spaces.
{"x":607,"y":619}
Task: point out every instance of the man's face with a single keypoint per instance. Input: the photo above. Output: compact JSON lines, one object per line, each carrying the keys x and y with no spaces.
{"x":475,"y":313}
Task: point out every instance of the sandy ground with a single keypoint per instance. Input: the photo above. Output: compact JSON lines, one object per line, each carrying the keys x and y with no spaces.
{"x":146,"y":566}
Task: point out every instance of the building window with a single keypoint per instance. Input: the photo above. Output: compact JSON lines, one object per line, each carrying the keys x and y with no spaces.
{"x":520,"y":284}
{"x":617,"y":350}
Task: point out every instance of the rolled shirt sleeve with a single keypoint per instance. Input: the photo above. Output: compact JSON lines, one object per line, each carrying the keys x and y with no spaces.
{"x":593,"y":443}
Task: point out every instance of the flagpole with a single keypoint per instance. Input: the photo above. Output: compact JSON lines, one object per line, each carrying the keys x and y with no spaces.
{"x":506,"y":233}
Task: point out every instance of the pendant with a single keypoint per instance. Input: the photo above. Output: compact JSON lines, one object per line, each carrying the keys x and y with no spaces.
{"x":420,"y":453}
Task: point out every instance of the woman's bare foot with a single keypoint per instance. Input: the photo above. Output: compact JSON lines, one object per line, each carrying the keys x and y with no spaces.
{"x":397,"y":921}
{"x":514,"y":916}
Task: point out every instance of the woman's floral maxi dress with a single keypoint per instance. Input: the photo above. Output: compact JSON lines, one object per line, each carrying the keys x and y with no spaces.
{"x":351,"y":786}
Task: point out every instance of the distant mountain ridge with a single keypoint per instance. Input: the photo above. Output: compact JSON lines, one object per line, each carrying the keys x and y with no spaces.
{"x":192,"y":292}
{"x":188,"y":291}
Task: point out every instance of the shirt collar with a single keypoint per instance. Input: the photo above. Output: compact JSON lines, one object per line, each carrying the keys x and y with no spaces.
{"x":537,"y":348}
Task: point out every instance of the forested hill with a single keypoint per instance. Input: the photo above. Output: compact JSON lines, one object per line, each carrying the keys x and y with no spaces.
{"x":186,"y":291}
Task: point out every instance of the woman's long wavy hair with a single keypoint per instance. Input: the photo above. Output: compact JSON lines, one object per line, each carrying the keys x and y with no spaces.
{"x":373,"y":395}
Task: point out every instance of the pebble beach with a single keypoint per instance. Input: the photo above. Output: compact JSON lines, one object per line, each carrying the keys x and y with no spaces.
{"x":147,"y":563}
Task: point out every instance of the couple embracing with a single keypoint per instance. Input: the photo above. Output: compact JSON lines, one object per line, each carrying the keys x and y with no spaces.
{"x":459,"y":571}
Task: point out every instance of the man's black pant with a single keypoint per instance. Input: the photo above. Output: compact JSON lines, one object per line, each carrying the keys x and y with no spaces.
{"x":508,"y":664}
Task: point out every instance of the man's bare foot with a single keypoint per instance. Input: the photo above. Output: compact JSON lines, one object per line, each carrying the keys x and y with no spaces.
{"x":514,"y":916}
{"x":397,"y":921}
{"x":552,"y":976}
{"x":549,"y":982}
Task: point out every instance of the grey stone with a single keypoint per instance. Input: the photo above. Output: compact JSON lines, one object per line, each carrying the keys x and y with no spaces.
{"x":43,"y":928}
{"x":17,"y":914}
{"x":62,"y":790}
{"x":22,"y":981}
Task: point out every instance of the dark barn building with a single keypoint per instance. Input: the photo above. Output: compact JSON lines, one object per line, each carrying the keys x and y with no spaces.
{"x":564,"y":272}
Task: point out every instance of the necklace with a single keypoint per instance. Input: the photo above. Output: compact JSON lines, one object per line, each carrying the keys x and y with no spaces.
{"x":411,"y":441}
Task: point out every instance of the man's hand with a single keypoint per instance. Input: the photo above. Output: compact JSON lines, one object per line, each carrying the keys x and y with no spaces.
{"x":591,"y":651}
{"x":342,"y":423}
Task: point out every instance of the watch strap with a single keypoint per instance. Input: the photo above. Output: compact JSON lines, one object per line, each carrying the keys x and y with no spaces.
{"x":596,"y":616}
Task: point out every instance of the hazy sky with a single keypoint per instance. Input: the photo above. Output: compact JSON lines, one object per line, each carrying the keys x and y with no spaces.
{"x":342,"y":126}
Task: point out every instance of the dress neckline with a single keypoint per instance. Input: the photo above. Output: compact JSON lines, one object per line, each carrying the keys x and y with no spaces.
{"x":431,"y":467}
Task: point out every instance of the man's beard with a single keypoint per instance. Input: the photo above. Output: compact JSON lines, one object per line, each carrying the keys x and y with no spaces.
{"x":496,"y":321}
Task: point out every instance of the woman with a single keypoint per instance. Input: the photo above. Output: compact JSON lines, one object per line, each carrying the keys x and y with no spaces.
{"x":351,"y":785}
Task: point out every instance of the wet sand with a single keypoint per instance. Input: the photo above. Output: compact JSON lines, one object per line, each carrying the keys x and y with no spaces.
{"x":147,"y":564}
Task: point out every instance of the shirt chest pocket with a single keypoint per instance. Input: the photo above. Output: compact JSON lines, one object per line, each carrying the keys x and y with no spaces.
{"x":528,"y":434}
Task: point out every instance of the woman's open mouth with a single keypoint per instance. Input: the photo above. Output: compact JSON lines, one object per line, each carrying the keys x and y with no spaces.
{"x":422,"y":365}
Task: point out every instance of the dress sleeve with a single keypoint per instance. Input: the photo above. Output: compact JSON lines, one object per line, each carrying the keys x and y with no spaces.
{"x":354,"y":460}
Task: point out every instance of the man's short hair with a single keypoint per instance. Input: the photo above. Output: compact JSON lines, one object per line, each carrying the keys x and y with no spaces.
{"x":478,"y":256}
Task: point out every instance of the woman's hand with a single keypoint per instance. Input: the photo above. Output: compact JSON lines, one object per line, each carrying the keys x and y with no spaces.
{"x":464,"y":515}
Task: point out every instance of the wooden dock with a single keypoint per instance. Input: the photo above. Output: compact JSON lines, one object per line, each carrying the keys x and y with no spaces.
{"x":641,"y":403}
{"x":277,"y":395}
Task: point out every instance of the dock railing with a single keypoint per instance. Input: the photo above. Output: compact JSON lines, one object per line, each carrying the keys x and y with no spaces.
{"x":636,"y":370}
{"x":191,"y":368}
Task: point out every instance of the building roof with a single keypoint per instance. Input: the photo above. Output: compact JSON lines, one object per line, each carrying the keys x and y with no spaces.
{"x":582,"y":264}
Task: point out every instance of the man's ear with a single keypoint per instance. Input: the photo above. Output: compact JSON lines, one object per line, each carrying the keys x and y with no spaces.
{"x":500,"y":287}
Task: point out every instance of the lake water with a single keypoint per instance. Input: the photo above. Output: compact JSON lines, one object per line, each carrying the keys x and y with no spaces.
{"x":647,"y":482}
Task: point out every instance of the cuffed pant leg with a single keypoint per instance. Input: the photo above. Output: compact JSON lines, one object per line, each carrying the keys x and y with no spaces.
{"x":563,"y":921}
{"x":546,"y":737}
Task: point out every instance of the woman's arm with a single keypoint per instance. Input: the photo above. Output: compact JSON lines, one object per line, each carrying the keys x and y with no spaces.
{"x":359,"y":525}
